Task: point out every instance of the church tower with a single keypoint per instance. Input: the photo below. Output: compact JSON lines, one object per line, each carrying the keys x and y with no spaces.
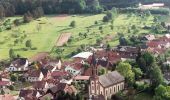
{"x":94,"y":86}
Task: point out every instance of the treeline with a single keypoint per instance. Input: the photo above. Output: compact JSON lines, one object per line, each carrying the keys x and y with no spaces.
{"x":20,"y":7}
{"x":162,"y":11}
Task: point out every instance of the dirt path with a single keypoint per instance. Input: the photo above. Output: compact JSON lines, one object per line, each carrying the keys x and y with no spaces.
{"x":63,"y":38}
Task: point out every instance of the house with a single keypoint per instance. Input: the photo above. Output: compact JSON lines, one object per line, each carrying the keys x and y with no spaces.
{"x":62,"y":87}
{"x":151,"y":6}
{"x":106,"y":85}
{"x":4,"y":84}
{"x":19,"y":64}
{"x":50,"y":64}
{"x":81,"y":79}
{"x":45,"y":96}
{"x":52,"y":82}
{"x":60,"y":75}
{"x":75,"y":68}
{"x":149,"y":37}
{"x":29,"y":94}
{"x":106,"y":58}
{"x":41,"y":85}
{"x":83,"y":55}
{"x":35,"y":75}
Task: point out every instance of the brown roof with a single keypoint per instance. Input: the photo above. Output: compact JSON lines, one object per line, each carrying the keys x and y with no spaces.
{"x":59,"y":87}
{"x":19,"y":62}
{"x":39,"y":84}
{"x":27,"y":93}
{"x":34,"y":73}
{"x":111,"y":79}
{"x":48,"y":95}
{"x":63,"y":87}
{"x":88,"y":72}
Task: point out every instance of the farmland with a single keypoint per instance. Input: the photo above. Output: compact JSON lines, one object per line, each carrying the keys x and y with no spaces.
{"x":44,"y":32}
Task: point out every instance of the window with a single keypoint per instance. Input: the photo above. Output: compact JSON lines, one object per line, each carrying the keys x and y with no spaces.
{"x":92,"y":87}
{"x":106,"y":92}
{"x":101,"y":92}
{"x":110,"y":91}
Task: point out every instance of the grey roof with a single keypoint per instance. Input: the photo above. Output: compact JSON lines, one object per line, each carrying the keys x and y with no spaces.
{"x":110,"y":79}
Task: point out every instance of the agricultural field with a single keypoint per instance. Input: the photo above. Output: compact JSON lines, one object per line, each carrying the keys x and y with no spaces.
{"x":44,"y":32}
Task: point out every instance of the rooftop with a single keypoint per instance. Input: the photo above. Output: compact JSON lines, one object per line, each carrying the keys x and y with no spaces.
{"x":111,"y":78}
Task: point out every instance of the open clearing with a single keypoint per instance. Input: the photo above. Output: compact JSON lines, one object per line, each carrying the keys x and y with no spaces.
{"x":63,"y":38}
{"x":45,"y":31}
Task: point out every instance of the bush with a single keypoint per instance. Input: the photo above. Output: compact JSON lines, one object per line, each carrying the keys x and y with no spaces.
{"x":95,"y":22}
{"x":11,"y":87}
{"x":73,"y":24}
{"x":105,"y":19}
{"x":34,"y":48}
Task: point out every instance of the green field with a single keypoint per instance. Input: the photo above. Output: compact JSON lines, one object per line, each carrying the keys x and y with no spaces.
{"x":50,"y":27}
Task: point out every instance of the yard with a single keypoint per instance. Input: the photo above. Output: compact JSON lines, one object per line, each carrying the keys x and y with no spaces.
{"x":45,"y":31}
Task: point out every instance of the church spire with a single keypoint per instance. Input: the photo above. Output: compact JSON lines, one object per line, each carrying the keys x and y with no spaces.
{"x":94,"y":66}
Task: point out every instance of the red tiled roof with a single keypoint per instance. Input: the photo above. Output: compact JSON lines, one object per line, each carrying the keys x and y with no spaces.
{"x":4,"y":83}
{"x":6,"y":97}
{"x":59,"y":73}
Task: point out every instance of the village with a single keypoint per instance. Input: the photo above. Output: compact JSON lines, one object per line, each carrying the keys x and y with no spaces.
{"x":92,"y":73}
{"x":84,"y":50}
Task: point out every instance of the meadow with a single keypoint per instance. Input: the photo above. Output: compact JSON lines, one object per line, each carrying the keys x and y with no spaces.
{"x":44,"y":32}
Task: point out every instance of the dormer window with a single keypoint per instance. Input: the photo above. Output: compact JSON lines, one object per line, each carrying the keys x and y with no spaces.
{"x":103,"y":58}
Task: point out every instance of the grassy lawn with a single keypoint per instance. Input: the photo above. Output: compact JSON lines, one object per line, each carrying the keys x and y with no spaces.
{"x":50,"y":27}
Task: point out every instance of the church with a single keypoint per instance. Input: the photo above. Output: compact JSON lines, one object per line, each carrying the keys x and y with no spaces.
{"x":105,"y":85}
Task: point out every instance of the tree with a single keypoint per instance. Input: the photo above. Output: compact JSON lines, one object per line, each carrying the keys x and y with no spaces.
{"x":13,"y":77}
{"x":102,"y":71}
{"x":108,"y":48}
{"x":105,"y":19}
{"x":145,"y":61}
{"x":79,"y":96}
{"x":126,"y":70}
{"x":156,"y":76}
{"x":100,"y":28}
{"x":12,"y":54}
{"x":162,"y":93}
{"x":85,"y":35}
{"x":95,"y":22}
{"x":27,"y":17}
{"x":123,"y":41}
{"x":2,"y":11}
{"x":98,"y":40}
{"x":109,"y":15}
{"x":28,"y":44}
{"x":148,"y":13}
{"x":73,"y":24}
{"x":138,"y":73}
{"x":11,"y":87}
{"x":2,"y":92}
{"x":17,"y":22}
{"x":111,"y":27}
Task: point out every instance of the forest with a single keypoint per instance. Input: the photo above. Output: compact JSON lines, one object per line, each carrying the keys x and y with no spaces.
{"x":20,"y":7}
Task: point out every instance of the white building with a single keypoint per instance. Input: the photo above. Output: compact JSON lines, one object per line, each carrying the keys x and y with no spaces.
{"x":19,"y":64}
